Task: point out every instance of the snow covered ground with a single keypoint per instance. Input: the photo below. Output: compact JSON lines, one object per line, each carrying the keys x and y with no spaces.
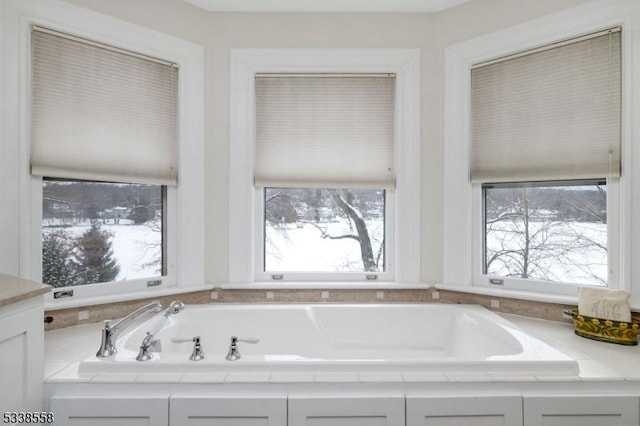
{"x":134,"y":246}
{"x":300,"y":246}
{"x":573,"y":252}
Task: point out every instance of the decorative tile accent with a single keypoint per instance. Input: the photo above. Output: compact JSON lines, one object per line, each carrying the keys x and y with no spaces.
{"x":550,"y":311}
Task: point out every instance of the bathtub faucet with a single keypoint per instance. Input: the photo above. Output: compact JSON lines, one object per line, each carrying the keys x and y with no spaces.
{"x":149,"y":344}
{"x":111,"y":331}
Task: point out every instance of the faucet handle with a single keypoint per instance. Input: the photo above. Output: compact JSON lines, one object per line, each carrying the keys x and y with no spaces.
{"x":183,"y":339}
{"x":198,"y":353}
{"x":253,"y":340}
{"x":234,"y":354}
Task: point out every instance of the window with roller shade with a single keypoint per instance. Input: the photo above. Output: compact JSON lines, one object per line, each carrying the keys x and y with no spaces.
{"x":546,"y":152}
{"x":104,"y":142}
{"x":324,"y":164}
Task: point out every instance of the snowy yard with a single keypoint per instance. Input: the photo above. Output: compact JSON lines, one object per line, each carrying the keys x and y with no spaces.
{"x":300,"y":247}
{"x":134,"y":246}
{"x":574,"y":252}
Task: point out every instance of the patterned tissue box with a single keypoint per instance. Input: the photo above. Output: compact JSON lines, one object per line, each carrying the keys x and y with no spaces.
{"x":603,"y":330}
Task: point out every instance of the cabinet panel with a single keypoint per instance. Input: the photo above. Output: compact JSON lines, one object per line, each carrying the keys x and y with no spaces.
{"x":581,"y":411}
{"x":346,"y":411}
{"x":468,"y":411}
{"x":107,"y":411}
{"x":231,"y":411}
{"x":21,"y":352}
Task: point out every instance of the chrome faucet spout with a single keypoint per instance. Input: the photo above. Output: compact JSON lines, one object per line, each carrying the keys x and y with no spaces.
{"x":111,"y":331}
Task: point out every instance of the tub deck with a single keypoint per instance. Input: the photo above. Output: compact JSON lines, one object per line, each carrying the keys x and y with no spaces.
{"x":340,"y":338}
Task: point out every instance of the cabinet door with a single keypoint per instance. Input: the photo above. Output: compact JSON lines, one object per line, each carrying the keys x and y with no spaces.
{"x":21,"y":352}
{"x":467,"y":411}
{"x":346,"y":411}
{"x":228,"y":411}
{"x":107,"y":411}
{"x":581,"y":411}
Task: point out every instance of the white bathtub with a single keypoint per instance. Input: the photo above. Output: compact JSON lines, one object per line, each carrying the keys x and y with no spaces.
{"x":332,"y":337}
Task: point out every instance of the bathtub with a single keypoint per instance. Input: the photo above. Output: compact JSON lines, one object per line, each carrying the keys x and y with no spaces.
{"x":339,"y":338}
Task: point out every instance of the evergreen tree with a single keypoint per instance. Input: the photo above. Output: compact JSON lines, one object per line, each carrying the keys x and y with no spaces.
{"x":56,"y":270}
{"x":92,"y":259}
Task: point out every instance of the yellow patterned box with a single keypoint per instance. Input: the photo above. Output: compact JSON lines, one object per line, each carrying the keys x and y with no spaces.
{"x":622,"y":333}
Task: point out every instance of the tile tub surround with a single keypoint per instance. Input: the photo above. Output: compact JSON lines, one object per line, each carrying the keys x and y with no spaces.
{"x":97,"y":313}
{"x":605,"y":366}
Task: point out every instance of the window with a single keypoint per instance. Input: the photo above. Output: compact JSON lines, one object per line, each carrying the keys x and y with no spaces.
{"x":301,"y":153}
{"x":104,"y":144}
{"x":324,"y":230}
{"x":546,"y":114}
{"x":320,"y":130}
{"x":23,"y":190}
{"x":540,"y":110}
{"x":539,"y":116}
{"x":96,"y":232}
{"x":550,"y":231}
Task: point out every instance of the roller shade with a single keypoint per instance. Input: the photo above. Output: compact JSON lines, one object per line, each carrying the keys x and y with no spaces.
{"x":101,"y":113}
{"x":328,"y":131}
{"x":553,"y":113}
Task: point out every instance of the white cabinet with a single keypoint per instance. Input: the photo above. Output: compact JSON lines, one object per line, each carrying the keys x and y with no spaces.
{"x":467,"y":411}
{"x":346,"y":411}
{"x":109,"y":411}
{"x":21,"y":352}
{"x":581,"y":411}
{"x":228,"y":410}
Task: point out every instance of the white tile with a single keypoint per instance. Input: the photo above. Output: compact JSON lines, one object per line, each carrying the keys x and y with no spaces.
{"x":554,"y":377}
{"x":628,"y":369}
{"x":380,"y":377}
{"x":596,"y":370}
{"x":70,"y":375}
{"x":66,"y":355}
{"x":51,"y":368}
{"x":247,"y":377}
{"x":115,"y":378}
{"x":345,"y":377}
{"x":511,"y":376}
{"x":422,"y":376}
{"x":292,"y":377}
{"x":467,"y":376}
{"x":158,"y":377}
{"x":203,"y":378}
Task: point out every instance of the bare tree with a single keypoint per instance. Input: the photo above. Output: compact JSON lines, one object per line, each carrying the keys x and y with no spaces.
{"x":525,"y":240}
{"x":343,"y":199}
{"x":320,"y":207}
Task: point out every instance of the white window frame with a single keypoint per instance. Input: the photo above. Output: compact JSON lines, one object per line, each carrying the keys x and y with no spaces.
{"x":246,"y":203}
{"x":185,"y":204}
{"x":293,"y":276}
{"x":463,"y":254}
{"x":482,"y":280}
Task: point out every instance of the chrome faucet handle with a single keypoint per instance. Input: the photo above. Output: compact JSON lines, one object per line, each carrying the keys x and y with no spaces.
{"x":234,"y":354}
{"x":145,"y":348}
{"x":198,"y":353}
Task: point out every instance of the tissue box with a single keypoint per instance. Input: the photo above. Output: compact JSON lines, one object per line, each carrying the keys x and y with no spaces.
{"x":620,"y":332}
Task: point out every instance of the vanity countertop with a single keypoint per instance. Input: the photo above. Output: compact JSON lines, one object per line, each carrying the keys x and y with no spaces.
{"x":13,"y":289}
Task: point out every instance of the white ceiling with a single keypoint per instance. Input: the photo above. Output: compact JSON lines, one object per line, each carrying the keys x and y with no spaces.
{"x":325,"y":5}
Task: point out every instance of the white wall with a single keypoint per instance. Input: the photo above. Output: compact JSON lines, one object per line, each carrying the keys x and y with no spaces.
{"x":218,"y":32}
